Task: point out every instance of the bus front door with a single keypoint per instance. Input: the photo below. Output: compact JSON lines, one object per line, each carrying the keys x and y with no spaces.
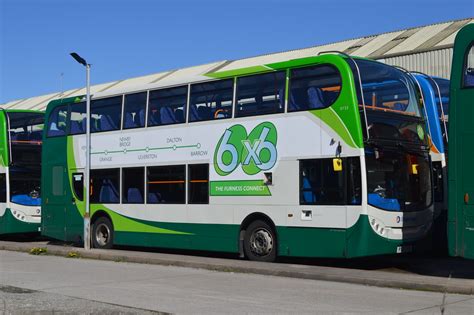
{"x":54,"y":201}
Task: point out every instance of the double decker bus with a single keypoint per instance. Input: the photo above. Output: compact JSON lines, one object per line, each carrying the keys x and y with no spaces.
{"x":20,"y":170}
{"x":325,"y":156}
{"x":461,"y":144}
{"x":436,"y":98}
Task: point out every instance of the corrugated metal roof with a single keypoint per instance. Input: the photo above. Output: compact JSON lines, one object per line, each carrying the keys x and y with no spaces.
{"x":293,"y":54}
{"x":450,"y":29}
{"x":162,"y":79}
{"x":387,"y":46}
{"x":450,"y":39}
{"x":419,"y":36}
{"x":376,"y":43}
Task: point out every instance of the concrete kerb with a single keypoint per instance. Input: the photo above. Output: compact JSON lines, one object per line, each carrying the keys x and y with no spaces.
{"x":353,"y":276}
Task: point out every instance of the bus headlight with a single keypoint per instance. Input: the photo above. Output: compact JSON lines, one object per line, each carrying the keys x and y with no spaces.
{"x":378,"y":226}
{"x":19,"y":215}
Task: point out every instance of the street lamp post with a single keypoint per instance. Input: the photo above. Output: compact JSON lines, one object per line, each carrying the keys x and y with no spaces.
{"x":87,"y":222}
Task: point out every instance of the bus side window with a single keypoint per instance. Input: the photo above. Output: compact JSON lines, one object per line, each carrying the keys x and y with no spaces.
{"x":106,"y":114}
{"x":198,"y":184}
{"x":354,"y":181}
{"x":3,"y":188}
{"x":57,"y":122}
{"x":134,"y":111}
{"x":166,"y":184}
{"x":320,"y":184}
{"x":105,"y":185}
{"x":167,"y":106}
{"x":211,"y":100}
{"x":77,"y":120}
{"x":78,"y":185}
{"x":469,"y":68}
{"x":133,"y":182}
{"x":313,"y":87}
{"x":261,"y":94}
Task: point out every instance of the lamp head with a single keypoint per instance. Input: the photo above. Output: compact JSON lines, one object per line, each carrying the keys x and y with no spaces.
{"x":79,"y":59}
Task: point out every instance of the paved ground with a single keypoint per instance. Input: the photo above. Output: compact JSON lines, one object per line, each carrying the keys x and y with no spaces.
{"x":14,"y":300}
{"x":408,"y":272}
{"x":69,"y":281}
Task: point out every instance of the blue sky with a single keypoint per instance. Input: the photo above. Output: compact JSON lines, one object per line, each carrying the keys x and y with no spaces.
{"x":123,"y":39}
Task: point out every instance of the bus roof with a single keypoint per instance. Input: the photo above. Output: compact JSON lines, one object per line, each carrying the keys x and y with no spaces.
{"x":23,"y":111}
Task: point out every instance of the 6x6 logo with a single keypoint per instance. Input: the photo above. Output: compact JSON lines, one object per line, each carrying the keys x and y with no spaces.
{"x":256,"y":151}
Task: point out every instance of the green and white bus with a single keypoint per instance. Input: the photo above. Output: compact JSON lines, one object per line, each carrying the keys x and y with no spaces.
{"x":20,"y":171}
{"x":461,"y":147}
{"x":324,"y":156}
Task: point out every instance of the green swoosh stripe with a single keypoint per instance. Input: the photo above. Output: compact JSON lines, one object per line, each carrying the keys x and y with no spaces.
{"x":330,"y":118}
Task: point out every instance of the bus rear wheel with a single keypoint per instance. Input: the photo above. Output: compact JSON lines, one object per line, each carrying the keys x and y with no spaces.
{"x":260,"y":242}
{"x":103,"y":233}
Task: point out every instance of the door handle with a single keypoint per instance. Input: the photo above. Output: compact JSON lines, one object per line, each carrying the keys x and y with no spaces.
{"x":466,"y":198}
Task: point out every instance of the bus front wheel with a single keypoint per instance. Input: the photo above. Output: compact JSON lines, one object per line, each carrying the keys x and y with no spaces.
{"x":103,"y":233}
{"x":260,"y":242}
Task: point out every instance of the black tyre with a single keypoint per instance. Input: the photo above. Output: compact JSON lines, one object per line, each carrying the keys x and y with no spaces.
{"x":260,"y":242}
{"x":102,"y":233}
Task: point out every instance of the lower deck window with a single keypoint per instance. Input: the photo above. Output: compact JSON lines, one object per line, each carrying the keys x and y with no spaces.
{"x":323,"y":184}
{"x":105,"y":186}
{"x":3,"y":188}
{"x":166,"y":184}
{"x":78,"y":185}
{"x":25,"y":185}
{"x":133,"y":185}
{"x":198,"y":184}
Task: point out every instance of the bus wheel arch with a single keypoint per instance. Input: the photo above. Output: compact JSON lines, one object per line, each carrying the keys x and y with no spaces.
{"x":102,"y":230}
{"x":258,"y":228}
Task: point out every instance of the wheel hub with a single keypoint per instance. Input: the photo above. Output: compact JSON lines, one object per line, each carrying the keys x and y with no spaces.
{"x":102,"y":234}
{"x":261,"y":242}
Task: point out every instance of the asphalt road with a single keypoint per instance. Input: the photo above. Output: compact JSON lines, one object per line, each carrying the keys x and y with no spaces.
{"x":92,"y":286}
{"x":14,"y":300}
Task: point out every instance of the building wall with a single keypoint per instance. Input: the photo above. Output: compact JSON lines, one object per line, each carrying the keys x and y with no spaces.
{"x":435,"y":62}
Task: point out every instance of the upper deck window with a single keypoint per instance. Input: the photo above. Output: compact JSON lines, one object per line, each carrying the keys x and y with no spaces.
{"x":386,"y":88}
{"x":167,"y":106}
{"x":26,"y":127}
{"x":468,"y":72}
{"x":57,"y":122}
{"x":212,"y":100}
{"x":393,"y":106}
{"x":78,"y":117}
{"x":443,"y":85}
{"x":106,"y":113}
{"x":313,"y":87}
{"x":134,"y":110}
{"x":261,"y":94}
